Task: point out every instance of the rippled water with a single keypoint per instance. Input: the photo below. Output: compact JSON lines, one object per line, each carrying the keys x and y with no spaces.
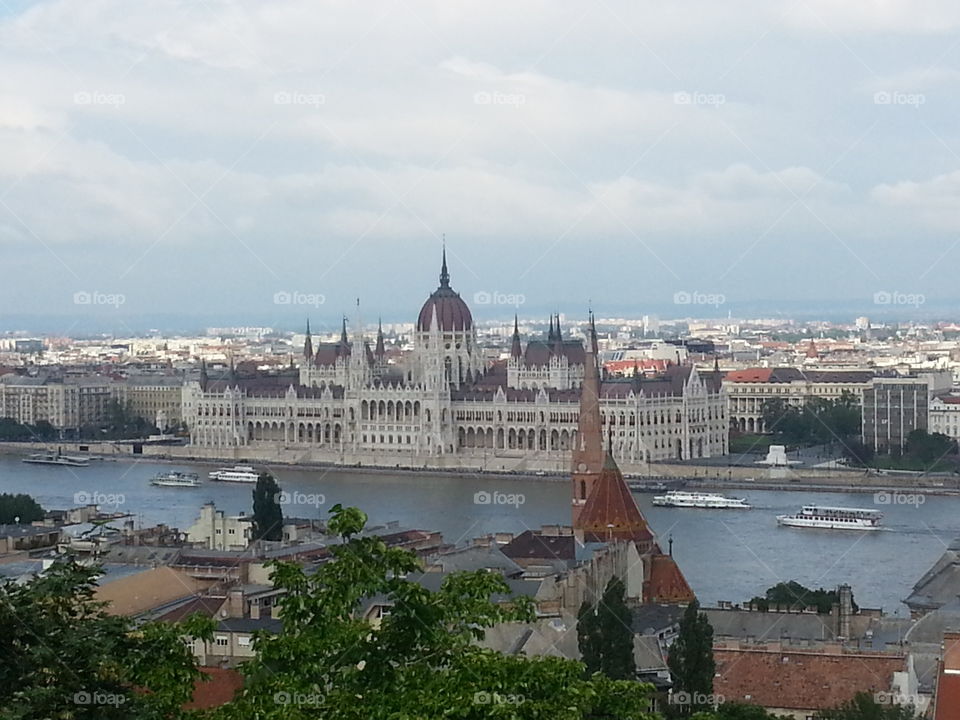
{"x":725,"y":554}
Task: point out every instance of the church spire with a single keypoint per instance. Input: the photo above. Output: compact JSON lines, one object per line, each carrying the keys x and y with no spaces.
{"x":343,"y":333}
{"x":515,"y":350}
{"x":588,"y":455}
{"x":381,"y":350}
{"x":308,"y":344}
{"x":551,"y":335}
{"x":444,"y":274}
{"x":204,"y":378}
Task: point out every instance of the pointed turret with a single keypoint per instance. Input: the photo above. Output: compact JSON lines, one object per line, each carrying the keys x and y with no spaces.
{"x":308,"y":344}
{"x":343,"y":333}
{"x":204,"y":378}
{"x":557,"y":339}
{"x":381,"y":350}
{"x":559,"y":331}
{"x":515,"y":350}
{"x":551,"y":336}
{"x":588,"y":449}
{"x":610,"y":512}
{"x":444,"y":274}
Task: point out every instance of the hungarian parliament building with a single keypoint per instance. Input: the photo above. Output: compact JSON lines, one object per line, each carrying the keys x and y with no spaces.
{"x":446,"y":405}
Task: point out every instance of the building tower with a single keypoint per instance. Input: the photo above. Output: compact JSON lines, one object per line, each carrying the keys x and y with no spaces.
{"x":308,"y":346}
{"x":588,"y":457}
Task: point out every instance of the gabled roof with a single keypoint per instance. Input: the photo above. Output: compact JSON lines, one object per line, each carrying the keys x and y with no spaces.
{"x":610,"y":512}
{"x":797,"y":680}
{"x":666,"y":584}
{"x":530,"y":544}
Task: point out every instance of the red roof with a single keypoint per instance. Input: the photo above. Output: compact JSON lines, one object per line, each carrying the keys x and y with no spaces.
{"x":749,"y":375}
{"x":218,"y":688}
{"x":947,"y":698}
{"x":610,"y":512}
{"x":667,"y":583}
{"x":801,"y":680}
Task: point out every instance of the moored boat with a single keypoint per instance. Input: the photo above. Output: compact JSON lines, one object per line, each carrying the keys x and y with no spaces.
{"x":238,"y":473}
{"x":684,"y":499}
{"x":57,"y":458}
{"x":833,"y":518}
{"x":175,"y":478}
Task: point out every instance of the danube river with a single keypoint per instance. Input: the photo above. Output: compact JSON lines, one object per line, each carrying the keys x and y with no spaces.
{"x":725,"y":554}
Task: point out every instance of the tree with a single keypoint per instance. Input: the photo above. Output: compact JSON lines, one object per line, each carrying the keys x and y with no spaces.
{"x":864,"y":706}
{"x":929,"y":447}
{"x":267,"y":512}
{"x":736,"y":711}
{"x":65,"y":657}
{"x":690,"y":658}
{"x":19,"y":508}
{"x":795,"y":596}
{"x":421,"y":660}
{"x":605,"y":634}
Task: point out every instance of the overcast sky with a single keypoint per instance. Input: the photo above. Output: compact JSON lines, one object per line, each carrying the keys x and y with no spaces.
{"x":277,"y":159}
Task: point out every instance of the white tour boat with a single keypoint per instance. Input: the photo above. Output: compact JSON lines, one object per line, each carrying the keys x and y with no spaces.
{"x":833,"y":518}
{"x":57,"y":458}
{"x":684,"y":499}
{"x":238,"y":473}
{"x":176,"y":479}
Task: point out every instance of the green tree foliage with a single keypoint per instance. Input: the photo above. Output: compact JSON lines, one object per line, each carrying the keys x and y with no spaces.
{"x":267,"y":511}
{"x":736,"y":711}
{"x":65,"y":657}
{"x":605,"y":634}
{"x":930,"y":447}
{"x":420,"y":661}
{"x":19,"y":508}
{"x":865,"y":707}
{"x":795,"y":596}
{"x":12,"y":431}
{"x":120,"y":423}
{"x":690,"y":659}
{"x":819,"y":420}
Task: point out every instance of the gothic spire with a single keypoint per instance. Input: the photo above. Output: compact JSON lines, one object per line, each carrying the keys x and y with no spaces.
{"x":343,"y":333}
{"x":551,"y":336}
{"x":381,"y":350}
{"x":559,"y":332}
{"x":204,"y":379}
{"x":515,"y":350}
{"x":444,"y":274}
{"x":308,"y":344}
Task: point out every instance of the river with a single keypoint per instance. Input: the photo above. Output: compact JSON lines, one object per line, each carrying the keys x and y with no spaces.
{"x":725,"y":554}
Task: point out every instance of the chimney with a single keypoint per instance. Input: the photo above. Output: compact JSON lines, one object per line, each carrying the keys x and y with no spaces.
{"x":845,"y":594}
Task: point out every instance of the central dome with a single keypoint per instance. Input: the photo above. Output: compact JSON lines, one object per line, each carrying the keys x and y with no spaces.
{"x":452,"y":312}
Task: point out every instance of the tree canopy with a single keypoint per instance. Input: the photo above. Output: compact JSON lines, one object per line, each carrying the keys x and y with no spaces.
{"x":605,"y":634}
{"x":65,"y":657}
{"x":420,"y":660}
{"x":795,"y":596}
{"x":267,"y":511}
{"x":19,"y":508}
{"x":691,"y":660}
{"x":865,"y":706}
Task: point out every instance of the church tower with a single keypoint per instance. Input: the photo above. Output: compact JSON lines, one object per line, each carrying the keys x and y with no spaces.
{"x":588,"y":453}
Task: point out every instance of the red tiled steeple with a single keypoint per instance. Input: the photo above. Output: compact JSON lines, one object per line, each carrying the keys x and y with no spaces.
{"x":588,"y":448}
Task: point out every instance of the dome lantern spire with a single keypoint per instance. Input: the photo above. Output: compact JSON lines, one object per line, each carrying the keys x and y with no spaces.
{"x":444,"y":274}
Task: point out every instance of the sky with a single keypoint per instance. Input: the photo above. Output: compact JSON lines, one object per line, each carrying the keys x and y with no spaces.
{"x":234,"y":160}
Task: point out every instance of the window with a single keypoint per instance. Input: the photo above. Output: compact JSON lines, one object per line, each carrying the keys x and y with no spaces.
{"x":243,"y":641}
{"x":222,"y":640}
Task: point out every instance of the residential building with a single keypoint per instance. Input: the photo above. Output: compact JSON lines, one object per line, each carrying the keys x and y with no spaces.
{"x":893,"y":407}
